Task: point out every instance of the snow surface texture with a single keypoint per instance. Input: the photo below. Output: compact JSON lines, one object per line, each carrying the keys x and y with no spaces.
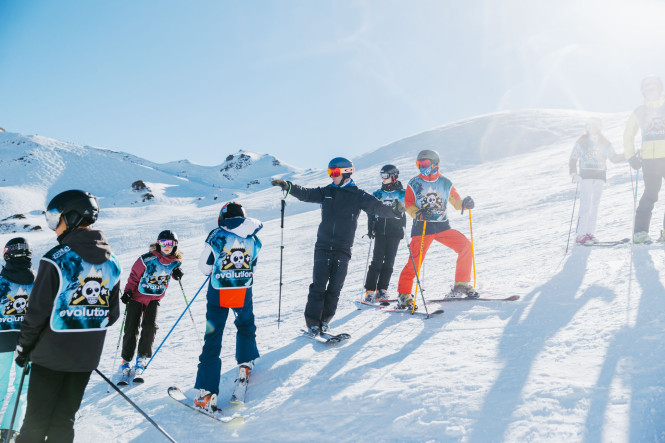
{"x":576,"y":359}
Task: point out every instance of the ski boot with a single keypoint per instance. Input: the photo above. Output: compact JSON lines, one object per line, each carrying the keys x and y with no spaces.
{"x":141,"y":363}
{"x":381,"y":295}
{"x":592,"y":238}
{"x":325,"y":328}
{"x":661,"y":239}
{"x":463,"y":290}
{"x":405,"y":301}
{"x":206,"y":400}
{"x":125,"y":368}
{"x":369,"y":296}
{"x":244,"y":370}
{"x":641,"y":237}
{"x":313,"y":330}
{"x":582,"y":239}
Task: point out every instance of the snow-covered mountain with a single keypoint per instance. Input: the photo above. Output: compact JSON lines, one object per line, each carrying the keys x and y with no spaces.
{"x":578,"y":358}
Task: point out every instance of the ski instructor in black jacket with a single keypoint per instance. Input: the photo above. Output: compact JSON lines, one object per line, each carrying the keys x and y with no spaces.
{"x":73,"y":301}
{"x":341,"y":202}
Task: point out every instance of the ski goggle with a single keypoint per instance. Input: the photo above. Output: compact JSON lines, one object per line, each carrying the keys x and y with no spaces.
{"x":385,"y":175}
{"x":423,"y":163}
{"x":52,"y":218}
{"x":165,"y":243}
{"x":336,"y":172}
{"x":16,"y":247}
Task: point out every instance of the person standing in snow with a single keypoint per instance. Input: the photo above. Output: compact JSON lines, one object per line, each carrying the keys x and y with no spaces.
{"x":145,"y":288}
{"x":16,"y":280}
{"x":591,"y":152}
{"x":387,"y":232}
{"x":229,"y":258}
{"x":73,"y":301}
{"x":341,"y":203}
{"x":426,"y":200}
{"x":649,"y":118}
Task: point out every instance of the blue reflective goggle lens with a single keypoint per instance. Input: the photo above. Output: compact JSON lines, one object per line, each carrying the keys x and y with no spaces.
{"x":52,"y":218}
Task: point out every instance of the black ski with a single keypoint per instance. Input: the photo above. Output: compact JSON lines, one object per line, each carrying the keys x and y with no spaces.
{"x":326,"y":337}
{"x":441,"y":300}
{"x":408,"y":311}
{"x":176,"y":394}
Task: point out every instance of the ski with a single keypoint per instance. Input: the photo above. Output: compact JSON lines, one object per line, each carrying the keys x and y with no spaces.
{"x":608,"y":243}
{"x":138,"y":377}
{"x":176,"y":394}
{"x":125,"y":379}
{"x":373,"y":304}
{"x":326,"y":337}
{"x":442,"y":300}
{"x":409,"y":312}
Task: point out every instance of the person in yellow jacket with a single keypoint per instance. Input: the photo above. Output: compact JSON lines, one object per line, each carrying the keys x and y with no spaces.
{"x":649,"y":118}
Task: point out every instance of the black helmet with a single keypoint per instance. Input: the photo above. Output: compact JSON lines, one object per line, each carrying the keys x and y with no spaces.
{"x":17,"y":248}
{"x":430,"y":155}
{"x":340,"y":166}
{"x":168,"y":235}
{"x":76,"y":207}
{"x":428,"y":162}
{"x":390,"y":171}
{"x":230,"y":210}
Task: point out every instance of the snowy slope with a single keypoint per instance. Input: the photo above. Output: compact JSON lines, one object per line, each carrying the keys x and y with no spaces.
{"x":578,"y":358}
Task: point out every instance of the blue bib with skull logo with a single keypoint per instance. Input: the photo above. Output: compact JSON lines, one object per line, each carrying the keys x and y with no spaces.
{"x":652,"y":122}
{"x":432,"y":195}
{"x":82,"y":302}
{"x":234,"y":259}
{"x":156,"y":277}
{"x":387,"y":198}
{"x":13,"y":304}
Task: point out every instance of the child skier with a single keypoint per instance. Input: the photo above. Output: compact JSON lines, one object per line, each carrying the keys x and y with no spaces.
{"x":426,"y":200}
{"x":387,"y":234}
{"x":73,"y":301}
{"x":591,"y":152}
{"x":145,"y":288}
{"x":341,"y":202}
{"x":16,"y":280}
{"x":229,"y":257}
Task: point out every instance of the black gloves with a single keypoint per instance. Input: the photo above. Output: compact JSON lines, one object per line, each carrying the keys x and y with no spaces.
{"x":424,"y":214}
{"x":635,"y":162}
{"x":126,"y":297}
{"x":22,"y":356}
{"x":282,"y":184}
{"x":177,"y":273}
{"x":398,"y":207}
{"x":467,"y":203}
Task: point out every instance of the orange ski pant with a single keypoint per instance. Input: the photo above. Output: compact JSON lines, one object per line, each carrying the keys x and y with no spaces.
{"x":455,"y":240}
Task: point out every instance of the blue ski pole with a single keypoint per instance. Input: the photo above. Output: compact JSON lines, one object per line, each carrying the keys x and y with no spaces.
{"x":176,"y":322}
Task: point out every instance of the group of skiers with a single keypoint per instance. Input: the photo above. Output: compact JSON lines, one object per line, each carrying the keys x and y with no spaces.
{"x":588,"y":163}
{"x":74,"y":297}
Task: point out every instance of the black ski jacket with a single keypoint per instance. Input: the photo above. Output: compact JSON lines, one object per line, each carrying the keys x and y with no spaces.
{"x":340,"y":208}
{"x":67,"y":352}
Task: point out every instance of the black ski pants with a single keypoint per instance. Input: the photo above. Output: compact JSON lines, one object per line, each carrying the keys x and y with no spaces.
{"x":329,"y":273}
{"x":136,"y":311}
{"x":53,"y":399}
{"x":383,"y":259}
{"x":654,"y":173}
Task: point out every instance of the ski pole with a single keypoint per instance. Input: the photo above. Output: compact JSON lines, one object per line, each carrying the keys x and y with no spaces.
{"x":422,"y":291}
{"x":369,"y":251}
{"x":152,"y":422}
{"x":420,"y":262}
{"x":176,"y":323}
{"x":26,"y":369}
{"x":570,"y":228}
{"x":281,"y":262}
{"x":190,"y":312}
{"x":473,"y":255}
{"x":115,"y":356}
{"x":632,"y":236}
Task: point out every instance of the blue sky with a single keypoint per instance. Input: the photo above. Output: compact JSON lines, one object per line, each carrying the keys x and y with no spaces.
{"x":309,"y":80}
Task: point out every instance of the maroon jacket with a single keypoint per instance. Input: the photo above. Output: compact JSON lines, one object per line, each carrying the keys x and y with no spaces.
{"x":135,"y":277}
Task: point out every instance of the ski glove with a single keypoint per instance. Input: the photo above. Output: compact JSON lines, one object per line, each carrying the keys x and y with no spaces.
{"x":126,"y":296}
{"x":576,"y":178}
{"x":177,"y":273}
{"x":467,"y":203}
{"x":424,"y":214}
{"x":282,"y":184}
{"x":22,"y":356}
{"x":398,"y":207}
{"x":635,"y":162}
